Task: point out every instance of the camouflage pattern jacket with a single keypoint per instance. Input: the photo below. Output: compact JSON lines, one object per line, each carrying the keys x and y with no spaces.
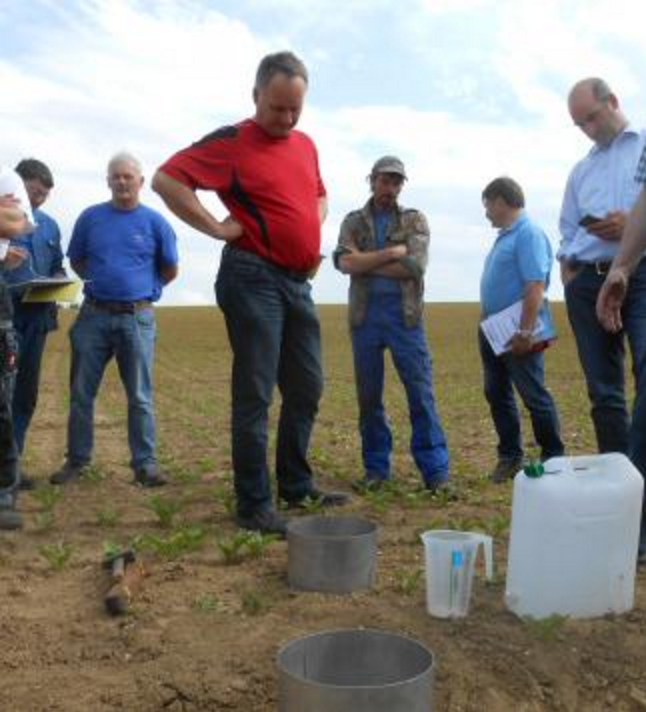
{"x":408,"y":227}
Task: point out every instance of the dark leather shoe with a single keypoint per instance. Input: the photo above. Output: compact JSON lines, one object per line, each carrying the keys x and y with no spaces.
{"x":505,"y":470}
{"x":67,"y":473}
{"x":265,"y":521}
{"x":318,"y":498}
{"x":150,"y":477}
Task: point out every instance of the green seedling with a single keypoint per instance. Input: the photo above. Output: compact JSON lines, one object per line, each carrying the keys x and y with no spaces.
{"x":232,"y":548}
{"x":224,"y":495}
{"x":206,"y":603}
{"x":108,"y":518}
{"x":57,"y":554}
{"x":253,"y":602}
{"x":257,"y":542}
{"x":407,"y":582}
{"x":165,"y":508}
{"x":111,"y":549}
{"x":182,"y":541}
{"x":48,"y":497}
{"x":545,"y":629}
{"x":312,"y":505}
{"x":499,"y":525}
{"x":92,"y":474}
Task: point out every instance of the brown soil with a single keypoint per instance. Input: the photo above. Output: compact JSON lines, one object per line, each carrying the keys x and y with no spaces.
{"x":203,"y":635}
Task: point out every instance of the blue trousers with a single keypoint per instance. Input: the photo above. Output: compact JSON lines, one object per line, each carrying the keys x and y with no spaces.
{"x":602,"y":357}
{"x":501,"y":374}
{"x":96,"y":337}
{"x":384,"y":328}
{"x":275,"y":338}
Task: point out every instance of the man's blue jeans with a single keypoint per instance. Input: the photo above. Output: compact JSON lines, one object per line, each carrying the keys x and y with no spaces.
{"x":96,"y":336}
{"x":527,"y":374}
{"x":384,"y":328}
{"x":275,"y":338}
{"x":31,"y":344}
{"x":602,"y":357}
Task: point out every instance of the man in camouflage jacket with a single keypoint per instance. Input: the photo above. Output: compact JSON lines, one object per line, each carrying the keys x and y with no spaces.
{"x":384,"y":247}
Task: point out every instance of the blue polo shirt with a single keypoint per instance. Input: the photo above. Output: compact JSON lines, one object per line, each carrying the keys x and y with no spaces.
{"x":123,"y":251}
{"x":521,"y":253}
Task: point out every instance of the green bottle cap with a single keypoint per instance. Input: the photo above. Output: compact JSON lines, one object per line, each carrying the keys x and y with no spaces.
{"x":534,"y":469}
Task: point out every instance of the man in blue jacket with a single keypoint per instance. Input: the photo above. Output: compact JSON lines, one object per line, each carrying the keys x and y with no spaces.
{"x":33,"y":321}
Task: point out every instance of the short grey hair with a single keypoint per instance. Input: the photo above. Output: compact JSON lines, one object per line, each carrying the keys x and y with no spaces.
{"x":124,"y":157}
{"x":286,"y":63}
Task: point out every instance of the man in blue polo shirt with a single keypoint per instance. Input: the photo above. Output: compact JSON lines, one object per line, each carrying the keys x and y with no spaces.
{"x":517,"y":268}
{"x":33,"y":321}
{"x":127,"y":253}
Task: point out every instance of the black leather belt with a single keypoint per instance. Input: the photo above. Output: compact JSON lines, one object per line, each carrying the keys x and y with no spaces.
{"x":118,"y":307}
{"x":602,"y":267}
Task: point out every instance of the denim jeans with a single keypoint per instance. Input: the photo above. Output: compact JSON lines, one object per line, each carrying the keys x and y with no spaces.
{"x":602,"y":359}
{"x":96,"y":337}
{"x":9,"y":471}
{"x":384,"y":328}
{"x":527,"y":375}
{"x":31,"y":344}
{"x":275,"y":338}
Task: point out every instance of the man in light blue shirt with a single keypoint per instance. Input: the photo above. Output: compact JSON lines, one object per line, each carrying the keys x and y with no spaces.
{"x":517,"y":269}
{"x":600,"y":192}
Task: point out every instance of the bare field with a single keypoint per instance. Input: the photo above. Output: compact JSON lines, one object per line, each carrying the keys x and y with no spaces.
{"x":204,"y":631}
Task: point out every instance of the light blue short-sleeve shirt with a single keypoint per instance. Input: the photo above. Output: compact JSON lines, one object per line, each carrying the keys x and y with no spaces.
{"x":521,"y":253}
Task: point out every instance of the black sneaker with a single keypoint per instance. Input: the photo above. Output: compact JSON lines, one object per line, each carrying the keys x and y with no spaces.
{"x":318,"y":498}
{"x":67,"y":473}
{"x":10,"y":517}
{"x":265,"y":521}
{"x":150,"y":477}
{"x":505,"y":470}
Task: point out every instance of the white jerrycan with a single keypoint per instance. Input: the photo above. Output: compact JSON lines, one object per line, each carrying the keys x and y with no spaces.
{"x":574,"y":538}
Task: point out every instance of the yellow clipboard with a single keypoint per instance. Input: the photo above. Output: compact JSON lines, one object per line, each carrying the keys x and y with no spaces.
{"x":53,"y":293}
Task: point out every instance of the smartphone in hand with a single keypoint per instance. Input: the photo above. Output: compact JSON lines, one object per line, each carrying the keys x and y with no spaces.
{"x":588,"y":220}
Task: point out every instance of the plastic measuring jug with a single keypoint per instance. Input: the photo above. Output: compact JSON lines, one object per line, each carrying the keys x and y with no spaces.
{"x":449,"y":558}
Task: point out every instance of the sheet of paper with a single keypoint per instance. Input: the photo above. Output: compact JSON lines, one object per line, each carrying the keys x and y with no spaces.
{"x":500,"y":328}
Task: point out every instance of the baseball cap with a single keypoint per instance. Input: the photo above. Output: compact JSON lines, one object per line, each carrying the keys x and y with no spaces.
{"x":389,"y":164}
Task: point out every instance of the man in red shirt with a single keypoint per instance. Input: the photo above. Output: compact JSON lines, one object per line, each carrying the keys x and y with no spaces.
{"x":266,"y":174}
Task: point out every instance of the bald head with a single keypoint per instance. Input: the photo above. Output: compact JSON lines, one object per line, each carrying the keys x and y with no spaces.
{"x":595,"y":110}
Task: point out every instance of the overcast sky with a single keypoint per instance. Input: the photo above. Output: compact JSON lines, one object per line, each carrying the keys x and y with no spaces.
{"x":461,"y":90}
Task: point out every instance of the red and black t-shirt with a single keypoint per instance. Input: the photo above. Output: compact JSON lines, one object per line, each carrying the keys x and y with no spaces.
{"x":271,"y":186}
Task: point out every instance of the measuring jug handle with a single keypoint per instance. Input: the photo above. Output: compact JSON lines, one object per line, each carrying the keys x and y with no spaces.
{"x":487,"y":545}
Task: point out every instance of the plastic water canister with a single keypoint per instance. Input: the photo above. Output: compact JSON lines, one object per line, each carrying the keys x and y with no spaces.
{"x":574,"y":538}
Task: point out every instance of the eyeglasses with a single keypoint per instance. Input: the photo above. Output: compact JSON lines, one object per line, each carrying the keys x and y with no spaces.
{"x":591,"y":117}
